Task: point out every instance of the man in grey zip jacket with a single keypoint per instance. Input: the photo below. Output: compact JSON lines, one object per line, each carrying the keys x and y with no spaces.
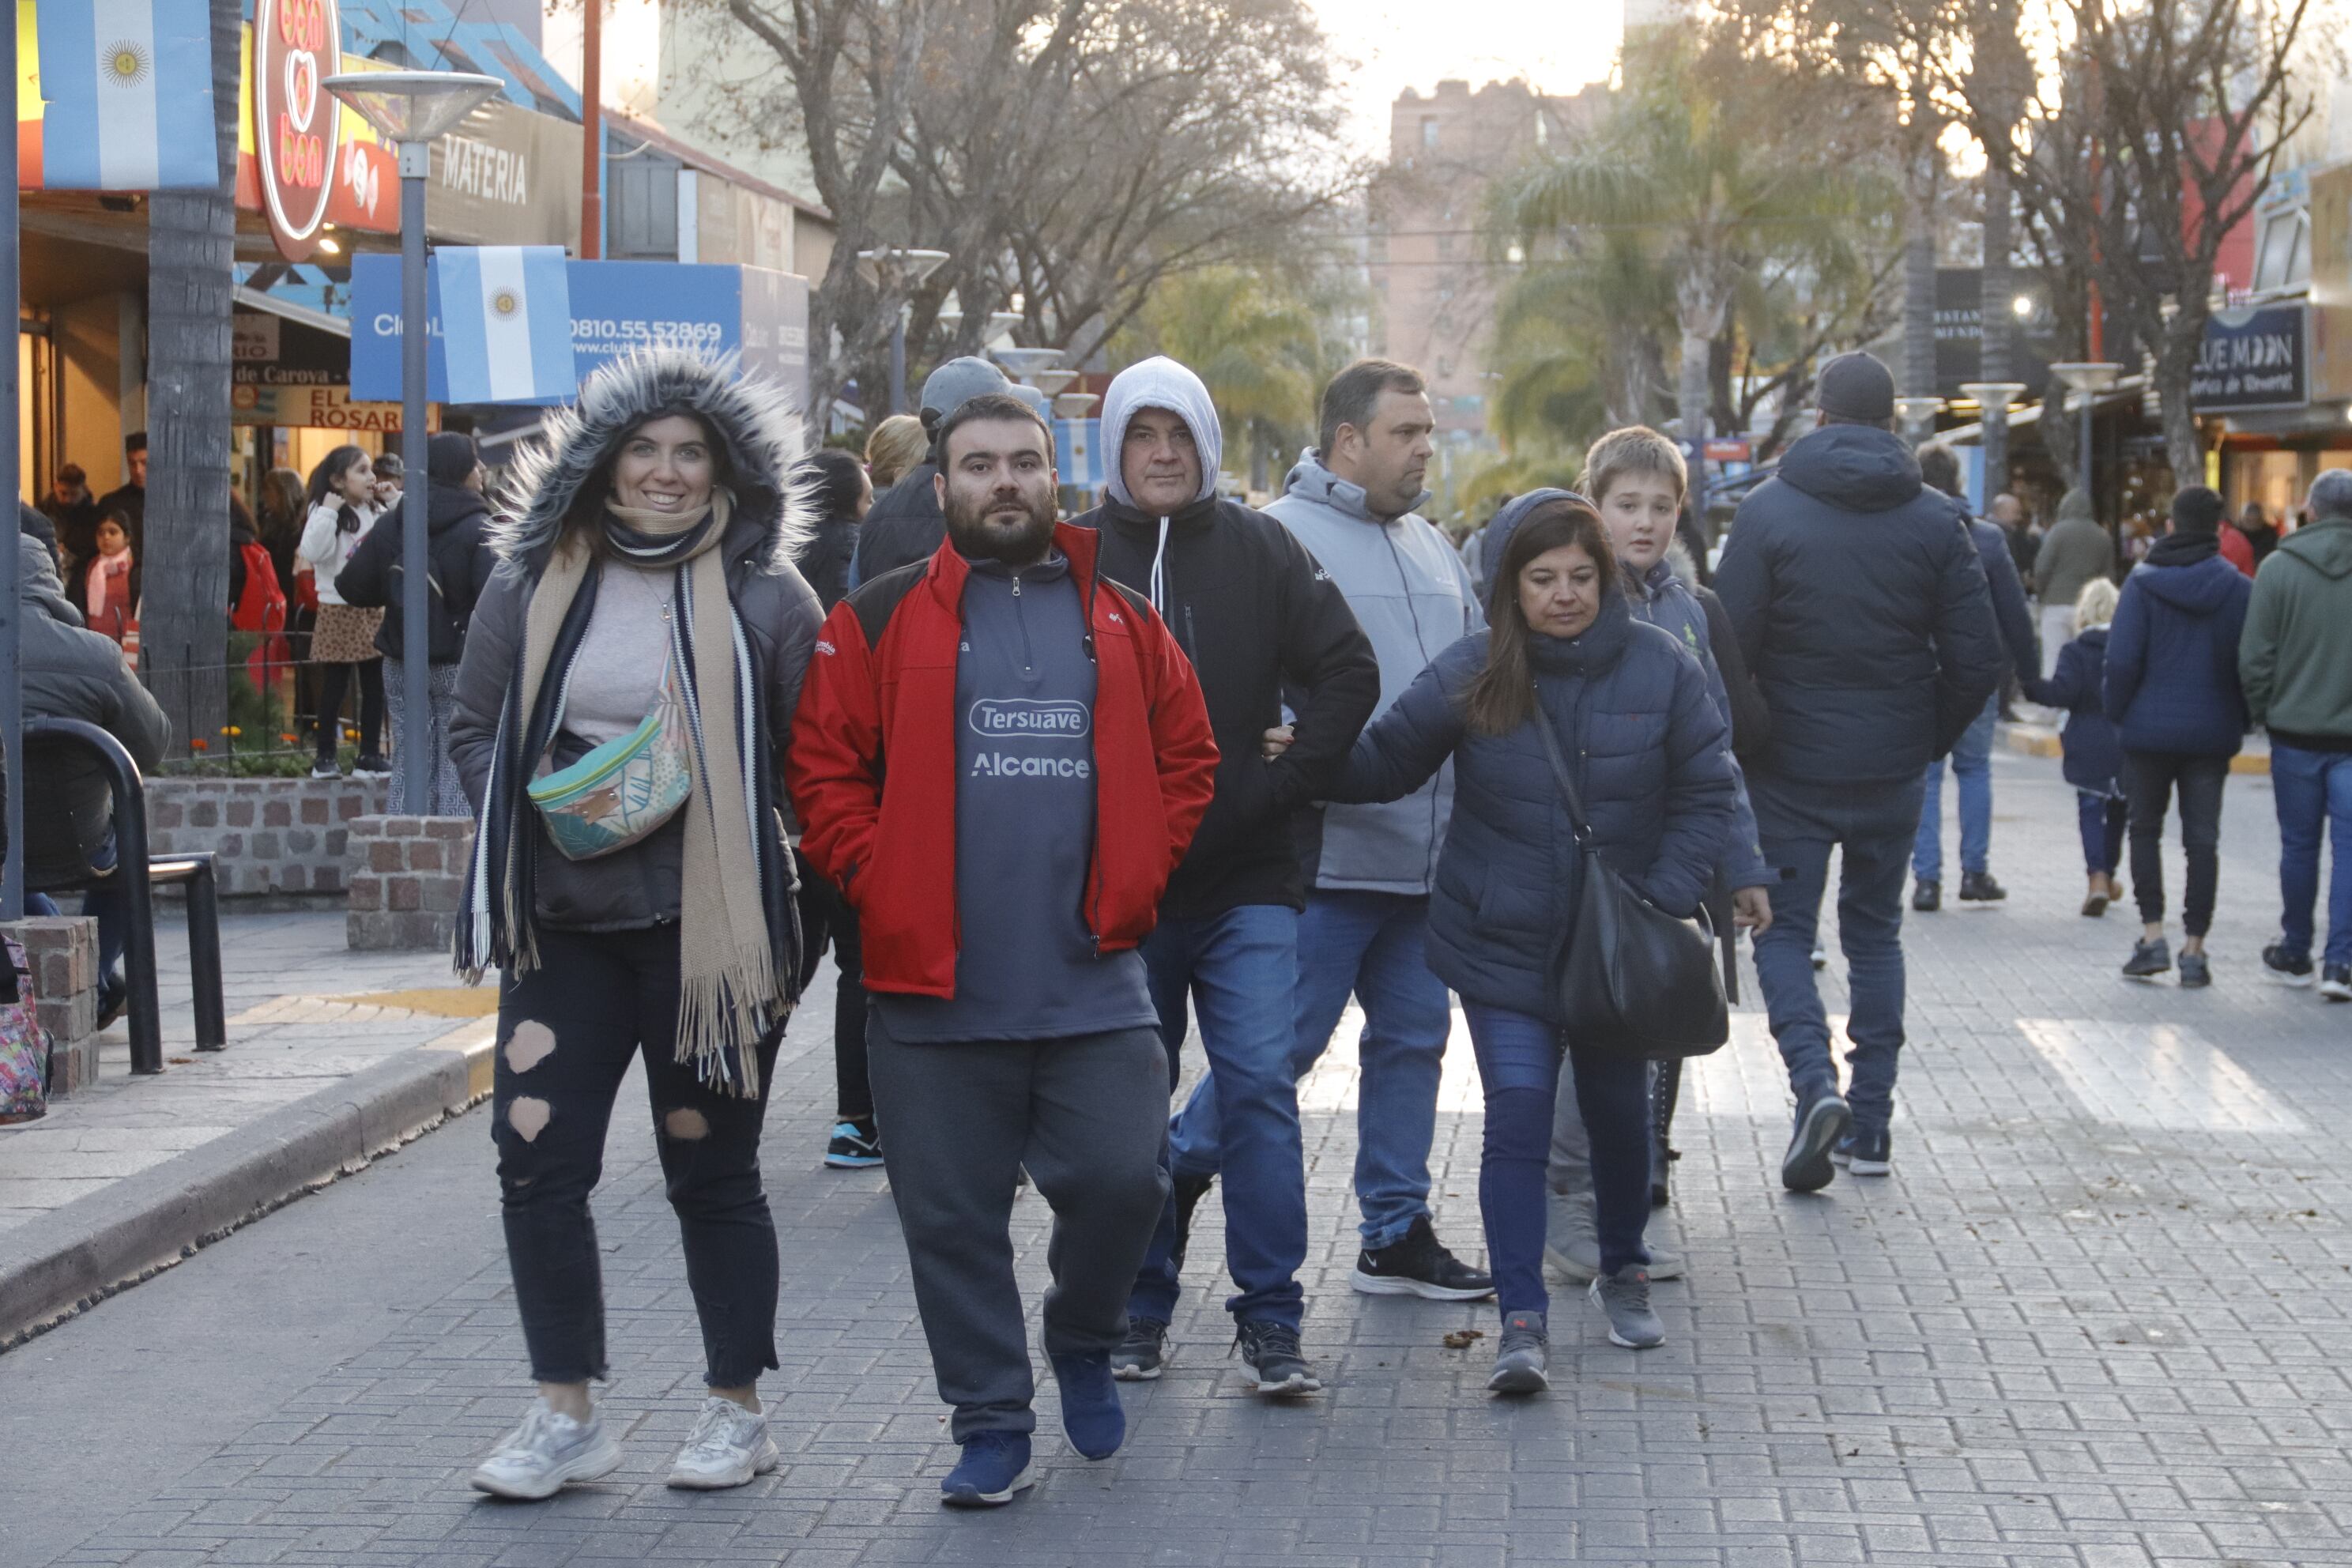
{"x":1352,"y":504}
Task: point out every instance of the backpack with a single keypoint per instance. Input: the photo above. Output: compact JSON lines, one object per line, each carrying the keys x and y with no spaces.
{"x":262,"y":608}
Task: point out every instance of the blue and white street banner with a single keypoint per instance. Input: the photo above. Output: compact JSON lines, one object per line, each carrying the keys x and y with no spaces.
{"x":506,"y":323}
{"x":127,"y":95}
{"x":614,"y":307}
{"x":1077,"y":453}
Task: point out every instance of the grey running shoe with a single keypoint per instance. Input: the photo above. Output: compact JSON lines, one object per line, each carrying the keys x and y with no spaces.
{"x":728,"y":1447}
{"x":1142,"y":1356}
{"x":548,"y":1451}
{"x":1272,"y":1354}
{"x":1821,"y":1123}
{"x":1625,"y":1296}
{"x":2195,"y":973}
{"x":1522,"y":1361}
{"x":2147,"y":959}
{"x":1577,"y":1259}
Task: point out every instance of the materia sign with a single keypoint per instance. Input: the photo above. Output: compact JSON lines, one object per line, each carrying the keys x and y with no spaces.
{"x":297,"y":45}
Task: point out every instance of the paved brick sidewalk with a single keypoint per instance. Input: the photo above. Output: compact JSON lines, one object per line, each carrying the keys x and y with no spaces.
{"x":303,"y":1013}
{"x":2095,"y":1319}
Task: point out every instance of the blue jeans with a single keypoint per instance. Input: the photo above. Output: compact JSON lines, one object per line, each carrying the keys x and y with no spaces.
{"x":1519,"y":1066}
{"x":2101,"y":818}
{"x":2313,"y":793}
{"x":1369,"y":945}
{"x":1870,"y":930}
{"x":1240,"y":969}
{"x":1972,"y":765}
{"x":109,"y":906}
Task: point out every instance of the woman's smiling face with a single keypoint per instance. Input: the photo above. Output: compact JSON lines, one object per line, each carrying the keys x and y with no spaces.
{"x":665,"y":465}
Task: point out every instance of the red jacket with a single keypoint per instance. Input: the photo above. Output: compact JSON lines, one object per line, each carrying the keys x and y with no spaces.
{"x":882,"y":684}
{"x":2237,"y":549}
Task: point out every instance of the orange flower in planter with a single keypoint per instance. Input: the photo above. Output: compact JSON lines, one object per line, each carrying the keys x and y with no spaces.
{"x":197,"y":743}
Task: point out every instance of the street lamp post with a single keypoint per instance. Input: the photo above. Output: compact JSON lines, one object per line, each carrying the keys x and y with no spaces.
{"x":895,"y":272}
{"x":411,"y":110}
{"x":2086,"y":379}
{"x":1993,"y":399}
{"x":1917,"y":414}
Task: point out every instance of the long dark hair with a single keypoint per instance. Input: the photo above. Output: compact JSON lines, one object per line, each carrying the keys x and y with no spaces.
{"x":331,"y":468}
{"x":835,"y":479}
{"x":1502,"y":696}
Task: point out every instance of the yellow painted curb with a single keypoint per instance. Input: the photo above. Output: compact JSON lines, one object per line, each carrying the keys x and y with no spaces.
{"x":2037,"y":741}
{"x":477,"y":1040}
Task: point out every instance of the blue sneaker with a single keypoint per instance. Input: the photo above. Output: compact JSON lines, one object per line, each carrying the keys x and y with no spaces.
{"x":1866,"y":1154}
{"x":995,"y":1466}
{"x":855,"y":1146}
{"x":1091,"y":1413}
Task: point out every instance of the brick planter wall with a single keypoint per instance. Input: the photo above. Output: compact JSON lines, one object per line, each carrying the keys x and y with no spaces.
{"x":267,"y":836}
{"x":63,"y":952}
{"x":407,"y":877}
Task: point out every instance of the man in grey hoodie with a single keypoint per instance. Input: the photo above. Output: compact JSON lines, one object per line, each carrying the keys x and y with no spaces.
{"x":1351,"y":504}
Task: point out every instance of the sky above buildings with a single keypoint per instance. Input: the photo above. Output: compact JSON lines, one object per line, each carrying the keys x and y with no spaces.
{"x":1557,"y":45}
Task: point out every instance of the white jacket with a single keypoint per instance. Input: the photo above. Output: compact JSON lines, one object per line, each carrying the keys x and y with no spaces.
{"x":324,"y":551}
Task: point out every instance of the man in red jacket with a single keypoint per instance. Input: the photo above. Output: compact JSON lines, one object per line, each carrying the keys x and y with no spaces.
{"x":1001,"y":713}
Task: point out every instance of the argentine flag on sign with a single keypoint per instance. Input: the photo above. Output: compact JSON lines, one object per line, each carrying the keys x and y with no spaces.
{"x":506,"y":323}
{"x":127,"y":91}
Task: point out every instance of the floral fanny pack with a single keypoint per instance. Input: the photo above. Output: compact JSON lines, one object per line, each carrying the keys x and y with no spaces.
{"x":625,"y":789}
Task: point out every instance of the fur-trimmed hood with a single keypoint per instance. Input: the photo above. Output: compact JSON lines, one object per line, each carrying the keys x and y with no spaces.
{"x":752,"y":417}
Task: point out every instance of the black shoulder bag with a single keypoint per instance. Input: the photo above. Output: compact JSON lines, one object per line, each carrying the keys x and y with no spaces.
{"x":1632,"y":979}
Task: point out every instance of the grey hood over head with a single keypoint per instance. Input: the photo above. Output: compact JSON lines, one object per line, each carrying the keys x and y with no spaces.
{"x":1161,"y":383}
{"x":38,"y":584}
{"x":752,"y":418}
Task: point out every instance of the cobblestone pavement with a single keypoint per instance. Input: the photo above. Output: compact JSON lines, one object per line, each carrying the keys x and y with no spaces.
{"x":2095,"y":1318}
{"x":302,"y":1013}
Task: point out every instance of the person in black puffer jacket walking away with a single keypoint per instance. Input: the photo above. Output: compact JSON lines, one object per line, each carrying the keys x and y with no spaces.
{"x":1636,"y":719}
{"x":2093,"y":757}
{"x":2172,"y":691}
{"x":834,"y":485}
{"x":1862,"y":607}
{"x":1259,"y":619}
{"x":460,"y":561}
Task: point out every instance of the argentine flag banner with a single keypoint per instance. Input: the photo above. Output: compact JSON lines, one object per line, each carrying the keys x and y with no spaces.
{"x":127,"y":95}
{"x":506,"y":323}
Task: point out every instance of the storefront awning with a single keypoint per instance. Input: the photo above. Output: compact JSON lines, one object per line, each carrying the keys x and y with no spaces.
{"x":254,"y":300}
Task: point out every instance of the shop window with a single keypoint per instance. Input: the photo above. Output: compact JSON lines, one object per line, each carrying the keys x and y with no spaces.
{"x":641,"y":215}
{"x":2282,"y":251}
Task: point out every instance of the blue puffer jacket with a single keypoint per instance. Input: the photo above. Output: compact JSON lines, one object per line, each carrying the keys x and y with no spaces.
{"x":2172,"y":653}
{"x":1863,"y":609}
{"x":1652,"y":757}
{"x":2095,"y":757}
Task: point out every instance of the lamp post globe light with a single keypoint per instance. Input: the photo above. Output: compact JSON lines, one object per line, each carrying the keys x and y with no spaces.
{"x":2086,"y":379}
{"x":1918,"y":412}
{"x":411,"y":110}
{"x":1024,"y":364}
{"x":896,"y":271}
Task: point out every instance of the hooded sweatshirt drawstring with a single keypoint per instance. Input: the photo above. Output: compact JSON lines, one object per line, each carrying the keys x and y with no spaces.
{"x":1160,"y":572}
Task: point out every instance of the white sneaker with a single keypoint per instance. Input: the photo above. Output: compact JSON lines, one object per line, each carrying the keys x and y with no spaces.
{"x":728,"y":1447}
{"x":547,"y":1450}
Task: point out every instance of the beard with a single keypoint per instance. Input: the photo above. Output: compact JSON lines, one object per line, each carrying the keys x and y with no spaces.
{"x":984,"y":538}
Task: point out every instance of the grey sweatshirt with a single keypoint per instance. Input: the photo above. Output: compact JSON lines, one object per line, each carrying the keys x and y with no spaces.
{"x":1414,"y":599}
{"x":1026,"y":967}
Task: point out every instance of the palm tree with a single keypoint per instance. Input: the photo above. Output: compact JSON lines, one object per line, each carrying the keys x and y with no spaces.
{"x":1709,"y":160}
{"x":191,"y":256}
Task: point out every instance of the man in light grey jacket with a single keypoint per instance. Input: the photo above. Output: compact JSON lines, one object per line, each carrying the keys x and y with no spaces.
{"x":1352,"y":504}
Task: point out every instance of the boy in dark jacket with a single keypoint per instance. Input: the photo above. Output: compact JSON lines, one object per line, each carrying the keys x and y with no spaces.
{"x":2172,"y":691}
{"x":1262,"y":624}
{"x":2093,"y":757}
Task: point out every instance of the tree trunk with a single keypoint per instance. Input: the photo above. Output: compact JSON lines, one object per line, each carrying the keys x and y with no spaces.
{"x":191,"y":259}
{"x":2060,"y":432}
{"x":2184,"y":447}
{"x":1919,"y":276}
{"x":1998,"y":323}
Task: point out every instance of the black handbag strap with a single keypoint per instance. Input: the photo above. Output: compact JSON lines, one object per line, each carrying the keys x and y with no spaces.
{"x":1560,"y":771}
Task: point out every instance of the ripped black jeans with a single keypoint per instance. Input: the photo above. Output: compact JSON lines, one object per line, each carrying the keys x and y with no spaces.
{"x":566,"y":1033}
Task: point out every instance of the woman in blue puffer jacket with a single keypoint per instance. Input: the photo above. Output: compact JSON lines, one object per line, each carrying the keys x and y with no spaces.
{"x":1650,"y":754}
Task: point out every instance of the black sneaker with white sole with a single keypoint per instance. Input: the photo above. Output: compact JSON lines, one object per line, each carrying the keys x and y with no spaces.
{"x":1142,"y":1356}
{"x":1420,"y":1266}
{"x":2335,"y":984}
{"x":2286,"y":967}
{"x":1821,"y":1123}
{"x":1861,"y":1153}
{"x":1271,"y":1351}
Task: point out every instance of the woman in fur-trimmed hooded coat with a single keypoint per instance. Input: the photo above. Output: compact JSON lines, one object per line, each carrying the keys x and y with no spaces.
{"x":645,"y":569}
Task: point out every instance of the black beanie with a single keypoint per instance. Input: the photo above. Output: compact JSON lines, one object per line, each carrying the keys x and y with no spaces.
{"x":450,"y":458}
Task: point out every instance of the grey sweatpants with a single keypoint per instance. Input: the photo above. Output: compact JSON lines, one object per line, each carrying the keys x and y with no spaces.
{"x":1086,"y":1116}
